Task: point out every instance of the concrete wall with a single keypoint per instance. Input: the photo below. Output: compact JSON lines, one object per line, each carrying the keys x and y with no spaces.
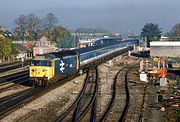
{"x":167,"y":51}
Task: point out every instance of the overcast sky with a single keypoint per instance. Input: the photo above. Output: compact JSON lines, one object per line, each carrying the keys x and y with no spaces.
{"x":114,"y":15}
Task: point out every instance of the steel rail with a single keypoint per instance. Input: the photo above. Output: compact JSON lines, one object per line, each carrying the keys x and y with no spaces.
{"x":12,"y":77}
{"x":126,"y":107}
{"x":111,"y":103}
{"x":127,"y":102}
{"x":61,"y":117}
{"x":90,"y":104}
{"x":11,"y":103}
{"x":14,"y":85}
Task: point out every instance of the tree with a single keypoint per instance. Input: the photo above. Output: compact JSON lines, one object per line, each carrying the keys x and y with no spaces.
{"x":152,"y":32}
{"x":3,"y":28}
{"x":75,"y":41}
{"x":27,"y":26}
{"x":49,"y":23}
{"x":33,"y":25}
{"x":62,"y":37}
{"x":21,"y":28}
{"x":18,"y":34}
{"x":6,"y":48}
{"x":175,"y":31}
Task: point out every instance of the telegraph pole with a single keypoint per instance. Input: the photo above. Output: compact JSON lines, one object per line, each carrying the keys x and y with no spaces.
{"x":74,"y":41}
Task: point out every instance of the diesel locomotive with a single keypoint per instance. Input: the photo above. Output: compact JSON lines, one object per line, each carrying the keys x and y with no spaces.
{"x":46,"y":68}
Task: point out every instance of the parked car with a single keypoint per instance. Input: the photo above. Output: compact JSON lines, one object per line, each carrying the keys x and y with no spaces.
{"x":172,"y":63}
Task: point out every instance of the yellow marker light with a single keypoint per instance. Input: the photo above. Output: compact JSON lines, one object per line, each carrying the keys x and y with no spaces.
{"x":32,"y":70}
{"x":44,"y":70}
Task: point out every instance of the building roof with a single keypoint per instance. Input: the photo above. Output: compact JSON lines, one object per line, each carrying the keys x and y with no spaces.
{"x":20,"y":48}
{"x":28,"y":46}
{"x":6,"y":34}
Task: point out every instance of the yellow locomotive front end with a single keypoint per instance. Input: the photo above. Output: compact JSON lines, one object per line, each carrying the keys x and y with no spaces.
{"x":40,"y":71}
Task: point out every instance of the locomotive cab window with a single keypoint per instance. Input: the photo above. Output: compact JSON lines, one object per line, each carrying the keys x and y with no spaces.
{"x":40,"y":63}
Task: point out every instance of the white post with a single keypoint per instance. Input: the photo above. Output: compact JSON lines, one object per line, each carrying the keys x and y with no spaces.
{"x":22,"y":60}
{"x":129,"y":53}
{"x":110,"y":63}
{"x":141,"y":65}
{"x":134,"y":48}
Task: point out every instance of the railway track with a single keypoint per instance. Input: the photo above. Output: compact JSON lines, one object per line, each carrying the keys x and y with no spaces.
{"x":110,"y":105}
{"x":127,"y":102}
{"x":14,"y":85}
{"x":13,"y":76}
{"x":120,"y":93}
{"x":12,"y":65}
{"x":80,"y":111}
{"x":14,"y":101}
{"x":61,"y":117}
{"x":76,"y":107}
{"x":10,"y":100}
{"x":91,"y":104}
{"x":14,"y":81}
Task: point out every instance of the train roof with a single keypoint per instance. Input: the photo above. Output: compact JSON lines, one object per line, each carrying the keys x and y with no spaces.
{"x":87,"y":49}
{"x":61,"y":54}
{"x":53,"y":55}
{"x":44,"y":57}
